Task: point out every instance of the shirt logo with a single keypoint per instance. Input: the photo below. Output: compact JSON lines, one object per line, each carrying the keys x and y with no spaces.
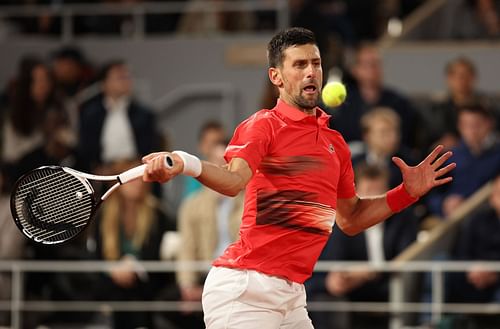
{"x":331,"y":148}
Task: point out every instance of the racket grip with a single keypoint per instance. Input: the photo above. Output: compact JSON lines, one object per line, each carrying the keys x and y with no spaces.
{"x":137,"y":172}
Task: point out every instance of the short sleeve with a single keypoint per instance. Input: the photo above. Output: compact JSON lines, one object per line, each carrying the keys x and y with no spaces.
{"x":346,"y":188}
{"x":250,"y":141}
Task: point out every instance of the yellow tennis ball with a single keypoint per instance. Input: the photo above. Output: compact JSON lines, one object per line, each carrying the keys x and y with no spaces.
{"x":333,"y":94}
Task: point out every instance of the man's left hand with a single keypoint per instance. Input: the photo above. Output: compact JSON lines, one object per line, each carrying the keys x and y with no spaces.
{"x":427,"y":174}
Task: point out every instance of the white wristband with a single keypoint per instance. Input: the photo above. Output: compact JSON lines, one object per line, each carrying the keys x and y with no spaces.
{"x":192,"y":165}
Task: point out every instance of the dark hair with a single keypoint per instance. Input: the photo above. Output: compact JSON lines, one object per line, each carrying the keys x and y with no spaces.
{"x":285,"y":39}
{"x":24,"y":115}
{"x":364,"y":170}
{"x":209,"y":125}
{"x":462,"y":60}
{"x":69,"y":52}
{"x":478,"y":108}
{"x":106,"y":68}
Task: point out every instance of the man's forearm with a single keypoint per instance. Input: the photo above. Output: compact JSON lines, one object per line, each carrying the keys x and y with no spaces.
{"x":228,"y":180}
{"x":364,"y":213}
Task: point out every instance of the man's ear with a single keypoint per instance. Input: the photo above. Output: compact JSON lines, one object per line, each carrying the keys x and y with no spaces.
{"x":275,"y":76}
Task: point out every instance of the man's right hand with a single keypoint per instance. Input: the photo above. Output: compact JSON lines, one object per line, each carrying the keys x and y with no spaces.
{"x":156,"y":171}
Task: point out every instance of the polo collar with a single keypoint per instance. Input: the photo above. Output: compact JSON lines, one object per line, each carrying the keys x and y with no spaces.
{"x":295,"y":114}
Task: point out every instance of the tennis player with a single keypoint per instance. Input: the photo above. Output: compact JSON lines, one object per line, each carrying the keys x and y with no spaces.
{"x":299,"y":182}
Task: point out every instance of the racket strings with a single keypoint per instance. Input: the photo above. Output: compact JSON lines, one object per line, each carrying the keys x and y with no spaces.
{"x":52,"y":205}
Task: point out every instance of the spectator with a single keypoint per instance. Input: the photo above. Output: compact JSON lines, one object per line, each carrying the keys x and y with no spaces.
{"x":130,"y":228}
{"x":211,"y":134}
{"x":36,"y":120}
{"x":461,"y":81}
{"x":478,"y":241}
{"x":197,"y":20}
{"x":379,"y":243}
{"x":381,"y":141}
{"x":477,"y":156}
{"x":368,"y":91}
{"x":72,"y":72}
{"x":113,"y":125}
{"x":208,"y":223}
{"x":488,"y":12}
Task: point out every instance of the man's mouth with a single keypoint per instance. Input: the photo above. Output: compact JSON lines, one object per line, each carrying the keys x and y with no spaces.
{"x":310,"y":89}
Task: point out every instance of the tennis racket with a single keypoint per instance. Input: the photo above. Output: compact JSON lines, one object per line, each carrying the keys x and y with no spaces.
{"x":54,"y":204}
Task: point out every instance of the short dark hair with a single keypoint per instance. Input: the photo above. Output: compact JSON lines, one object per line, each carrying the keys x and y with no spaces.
{"x":106,"y":68}
{"x":287,"y":38}
{"x":462,"y":60}
{"x":368,"y":171}
{"x":209,"y":125}
{"x":478,"y":108}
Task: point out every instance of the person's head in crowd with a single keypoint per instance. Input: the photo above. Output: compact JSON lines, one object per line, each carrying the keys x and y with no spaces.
{"x":495,"y":195}
{"x":381,"y":131}
{"x":367,"y":67}
{"x":33,"y":95}
{"x":461,"y":76}
{"x":476,"y":124}
{"x":216,"y":154}
{"x":211,"y":134}
{"x":116,"y":79}
{"x":69,"y":67}
{"x":371,"y":180}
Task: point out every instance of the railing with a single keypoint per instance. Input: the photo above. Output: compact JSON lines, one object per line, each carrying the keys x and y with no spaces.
{"x":138,"y":11}
{"x":18,"y":304}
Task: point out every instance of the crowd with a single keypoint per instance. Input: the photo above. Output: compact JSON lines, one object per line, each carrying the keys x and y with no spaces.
{"x":44,"y":120}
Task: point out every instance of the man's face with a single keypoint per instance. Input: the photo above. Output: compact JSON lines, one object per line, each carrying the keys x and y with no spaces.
{"x":300,"y":77}
{"x":474,"y":128}
{"x":368,"y":68}
{"x":382,"y":137}
{"x":460,"y":79}
{"x":209,"y":140}
{"x":118,"y":82}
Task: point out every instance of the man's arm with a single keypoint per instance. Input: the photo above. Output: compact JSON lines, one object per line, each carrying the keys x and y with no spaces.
{"x":356,"y":214}
{"x":228,"y":180}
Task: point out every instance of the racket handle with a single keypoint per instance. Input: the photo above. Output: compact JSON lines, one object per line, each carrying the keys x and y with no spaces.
{"x":138,"y":171}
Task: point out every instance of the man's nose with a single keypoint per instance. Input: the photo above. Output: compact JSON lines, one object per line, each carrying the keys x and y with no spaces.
{"x":311,"y":71}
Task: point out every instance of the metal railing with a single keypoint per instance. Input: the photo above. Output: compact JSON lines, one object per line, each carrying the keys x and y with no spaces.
{"x":138,"y":12}
{"x":436,"y":307}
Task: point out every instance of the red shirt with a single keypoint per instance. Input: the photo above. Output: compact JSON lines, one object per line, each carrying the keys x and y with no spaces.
{"x":300,"y":168}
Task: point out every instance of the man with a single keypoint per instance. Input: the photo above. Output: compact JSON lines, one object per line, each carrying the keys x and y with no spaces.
{"x":477,"y":155}
{"x":461,"y":81}
{"x":297,"y":175}
{"x":369,"y":91}
{"x":114,"y":125}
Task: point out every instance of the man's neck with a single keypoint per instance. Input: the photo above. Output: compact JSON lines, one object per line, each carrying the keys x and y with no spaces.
{"x":308,"y":111}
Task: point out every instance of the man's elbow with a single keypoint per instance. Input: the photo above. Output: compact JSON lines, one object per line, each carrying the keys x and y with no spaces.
{"x":233,"y":190}
{"x":348,"y":227}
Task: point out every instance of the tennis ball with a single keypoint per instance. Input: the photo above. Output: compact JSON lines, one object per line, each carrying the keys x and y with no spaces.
{"x":333,"y":94}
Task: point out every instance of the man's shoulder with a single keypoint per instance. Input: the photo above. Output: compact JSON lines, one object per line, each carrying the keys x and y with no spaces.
{"x":262,"y":117}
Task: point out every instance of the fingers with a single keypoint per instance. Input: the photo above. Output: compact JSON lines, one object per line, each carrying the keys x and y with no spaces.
{"x":151,"y":156}
{"x":434,"y":154}
{"x":442,"y":181}
{"x":442,"y":159}
{"x":399,"y":162}
{"x":445,"y":170}
{"x":155,"y":170}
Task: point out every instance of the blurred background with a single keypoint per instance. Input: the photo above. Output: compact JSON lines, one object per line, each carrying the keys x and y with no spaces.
{"x":97,"y":84}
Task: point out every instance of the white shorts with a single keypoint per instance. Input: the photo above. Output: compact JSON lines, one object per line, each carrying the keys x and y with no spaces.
{"x":246,"y":299}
